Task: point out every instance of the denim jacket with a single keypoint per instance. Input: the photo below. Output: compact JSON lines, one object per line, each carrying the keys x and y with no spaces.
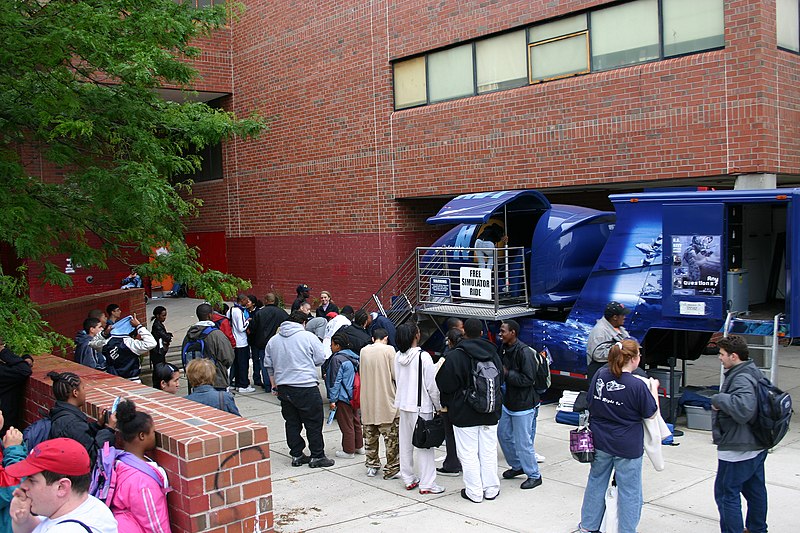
{"x":208,"y":395}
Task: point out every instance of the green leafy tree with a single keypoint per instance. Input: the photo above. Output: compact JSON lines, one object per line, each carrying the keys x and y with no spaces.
{"x":78,"y":98}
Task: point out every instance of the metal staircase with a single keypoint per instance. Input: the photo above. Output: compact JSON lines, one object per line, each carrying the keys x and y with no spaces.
{"x":446,"y":281}
{"x":762,"y":337}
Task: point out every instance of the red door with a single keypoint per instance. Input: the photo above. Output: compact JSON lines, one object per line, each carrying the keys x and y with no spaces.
{"x":212,"y":249}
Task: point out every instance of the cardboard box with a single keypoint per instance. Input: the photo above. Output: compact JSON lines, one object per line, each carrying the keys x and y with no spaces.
{"x":697,"y":417}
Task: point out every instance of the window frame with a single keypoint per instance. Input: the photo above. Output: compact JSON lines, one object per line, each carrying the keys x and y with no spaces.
{"x":588,"y":70}
{"x":783,"y":48}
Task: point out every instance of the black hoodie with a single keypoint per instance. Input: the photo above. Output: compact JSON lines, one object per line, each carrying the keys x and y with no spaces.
{"x":69,"y":421}
{"x":455,"y":377}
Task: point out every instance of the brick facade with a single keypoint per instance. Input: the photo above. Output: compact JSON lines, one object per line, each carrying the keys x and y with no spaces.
{"x":333,"y":194}
{"x":218,"y":464}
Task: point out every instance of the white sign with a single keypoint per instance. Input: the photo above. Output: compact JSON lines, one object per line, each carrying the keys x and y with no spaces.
{"x":692,"y":308}
{"x":476,"y":283}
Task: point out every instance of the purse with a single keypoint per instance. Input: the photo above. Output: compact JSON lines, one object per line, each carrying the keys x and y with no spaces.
{"x":581,"y":444}
{"x":427,"y":433}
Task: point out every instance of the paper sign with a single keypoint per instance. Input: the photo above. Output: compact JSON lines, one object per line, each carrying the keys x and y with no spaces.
{"x":692,"y":308}
{"x":476,"y":283}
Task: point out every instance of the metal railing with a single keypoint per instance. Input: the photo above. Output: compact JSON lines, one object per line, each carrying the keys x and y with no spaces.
{"x":484,"y":282}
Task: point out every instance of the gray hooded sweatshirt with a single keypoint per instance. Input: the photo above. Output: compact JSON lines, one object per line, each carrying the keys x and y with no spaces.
{"x":293,"y":355}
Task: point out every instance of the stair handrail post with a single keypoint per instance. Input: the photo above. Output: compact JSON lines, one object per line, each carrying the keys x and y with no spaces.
{"x":773,"y":370}
{"x":496,"y":269}
{"x":419,"y":282}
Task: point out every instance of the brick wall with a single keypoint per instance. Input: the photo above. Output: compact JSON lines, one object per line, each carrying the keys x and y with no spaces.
{"x":218,"y":464}
{"x":66,"y":316}
{"x":340,"y":176}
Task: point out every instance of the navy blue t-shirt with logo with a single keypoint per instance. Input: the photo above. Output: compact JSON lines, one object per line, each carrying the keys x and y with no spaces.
{"x":617,"y":406}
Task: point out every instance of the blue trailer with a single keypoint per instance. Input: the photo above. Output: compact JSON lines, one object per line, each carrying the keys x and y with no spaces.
{"x":687,"y":264}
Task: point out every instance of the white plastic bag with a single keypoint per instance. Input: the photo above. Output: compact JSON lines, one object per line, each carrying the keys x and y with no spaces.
{"x":610,"y":523}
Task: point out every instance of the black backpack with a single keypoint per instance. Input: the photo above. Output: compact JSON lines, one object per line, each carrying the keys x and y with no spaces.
{"x":483,"y":394}
{"x":542,"y":380}
{"x":195,"y":348}
{"x":773,"y":413}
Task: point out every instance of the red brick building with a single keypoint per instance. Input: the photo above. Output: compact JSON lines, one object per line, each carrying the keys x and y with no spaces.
{"x":380,"y":111}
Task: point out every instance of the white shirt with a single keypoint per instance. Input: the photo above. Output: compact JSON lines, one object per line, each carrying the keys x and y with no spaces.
{"x":92,"y":512}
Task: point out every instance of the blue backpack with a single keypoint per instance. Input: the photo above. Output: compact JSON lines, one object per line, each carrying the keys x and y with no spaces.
{"x":37,"y":432}
{"x":773,"y":413}
{"x":195,"y":348}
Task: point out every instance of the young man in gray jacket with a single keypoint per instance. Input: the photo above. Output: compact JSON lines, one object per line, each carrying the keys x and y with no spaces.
{"x":740,"y":456}
{"x":291,"y":358}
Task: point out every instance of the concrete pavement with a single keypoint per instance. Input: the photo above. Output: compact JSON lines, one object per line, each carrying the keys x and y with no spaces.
{"x":679,"y":499}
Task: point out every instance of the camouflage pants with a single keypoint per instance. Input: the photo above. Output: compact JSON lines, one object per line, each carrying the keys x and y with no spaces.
{"x":372,"y":434}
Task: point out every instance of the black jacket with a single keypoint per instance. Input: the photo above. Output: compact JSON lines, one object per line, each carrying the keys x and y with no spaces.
{"x":518,"y":360}
{"x":14,"y":373}
{"x":160,"y":333}
{"x":69,"y":421}
{"x":264,"y":324}
{"x":324,"y":313}
{"x":736,"y":406}
{"x":358,"y":337}
{"x":455,"y":377}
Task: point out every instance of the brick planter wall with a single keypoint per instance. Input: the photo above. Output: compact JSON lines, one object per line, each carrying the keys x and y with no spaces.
{"x":66,"y":317}
{"x":217,"y":463}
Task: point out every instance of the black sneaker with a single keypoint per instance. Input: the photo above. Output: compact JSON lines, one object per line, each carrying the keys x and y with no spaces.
{"x":511,"y":473}
{"x":445,"y":472}
{"x":300,"y":461}
{"x":531,"y":483}
{"x":318,"y":462}
{"x":464,"y":495}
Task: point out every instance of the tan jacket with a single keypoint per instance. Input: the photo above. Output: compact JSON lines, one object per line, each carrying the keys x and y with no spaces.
{"x":378,"y":386}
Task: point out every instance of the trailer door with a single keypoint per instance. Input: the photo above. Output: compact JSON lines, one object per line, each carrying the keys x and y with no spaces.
{"x":694,"y":260}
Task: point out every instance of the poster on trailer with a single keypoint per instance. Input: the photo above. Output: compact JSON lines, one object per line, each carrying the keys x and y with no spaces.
{"x":696,"y":265}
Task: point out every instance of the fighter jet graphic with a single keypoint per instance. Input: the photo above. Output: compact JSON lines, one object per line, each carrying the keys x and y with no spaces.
{"x":651,"y":251}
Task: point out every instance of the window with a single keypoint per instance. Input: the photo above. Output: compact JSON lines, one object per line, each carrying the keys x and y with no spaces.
{"x":559,"y":48}
{"x":211,"y":165}
{"x":501,"y":62}
{"x":625,"y":34}
{"x":450,"y":74}
{"x":692,"y":25}
{"x":594,"y":40}
{"x":788,"y":15}
{"x":409,"y":83}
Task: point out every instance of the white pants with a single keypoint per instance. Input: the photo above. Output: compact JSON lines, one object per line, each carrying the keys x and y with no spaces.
{"x":477,"y":451}
{"x":484,"y":253}
{"x":425,"y":457}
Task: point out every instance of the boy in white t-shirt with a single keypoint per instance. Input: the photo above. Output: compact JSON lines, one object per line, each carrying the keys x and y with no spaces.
{"x":60,"y":499}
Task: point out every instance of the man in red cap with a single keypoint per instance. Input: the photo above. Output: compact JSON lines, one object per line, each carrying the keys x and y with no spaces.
{"x":54,"y":496}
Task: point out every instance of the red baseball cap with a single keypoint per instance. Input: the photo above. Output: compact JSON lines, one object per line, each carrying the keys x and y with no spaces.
{"x":62,"y":456}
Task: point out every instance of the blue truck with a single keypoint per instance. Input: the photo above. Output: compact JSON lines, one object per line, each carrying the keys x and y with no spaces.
{"x":687,"y":263}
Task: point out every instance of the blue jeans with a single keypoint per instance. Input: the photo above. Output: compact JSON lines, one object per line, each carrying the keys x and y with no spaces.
{"x":241,"y":366}
{"x":266,"y":383}
{"x":257,"y":355}
{"x":747,"y":478}
{"x":515,"y":435}
{"x":628,"y":473}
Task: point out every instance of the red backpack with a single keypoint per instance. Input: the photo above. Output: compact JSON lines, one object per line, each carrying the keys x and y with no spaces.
{"x":355,"y":401}
{"x":224,"y":325}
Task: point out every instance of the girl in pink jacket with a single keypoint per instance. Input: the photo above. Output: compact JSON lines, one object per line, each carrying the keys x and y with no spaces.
{"x":139,"y":502}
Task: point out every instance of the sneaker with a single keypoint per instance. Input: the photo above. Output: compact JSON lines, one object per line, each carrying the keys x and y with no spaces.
{"x":233,"y":390}
{"x":444,"y":472}
{"x":436,"y":489}
{"x":317,"y":462}
{"x":246,"y":390}
{"x":531,"y":483}
{"x":511,"y":473}
{"x":464,"y":495}
{"x":344,"y":455}
{"x":485,"y":497}
{"x":361,"y":451}
{"x":413,"y":485}
{"x":300,"y":461}
{"x":540,"y":458}
{"x":372,"y":472}
{"x":393,"y":475}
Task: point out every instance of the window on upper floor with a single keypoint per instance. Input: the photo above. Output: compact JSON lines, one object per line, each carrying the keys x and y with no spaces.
{"x":451,"y":74}
{"x":500,"y":62}
{"x":559,"y":48}
{"x":624,"y":34}
{"x":788,"y":16}
{"x":601,"y":39}
{"x":692,"y":25}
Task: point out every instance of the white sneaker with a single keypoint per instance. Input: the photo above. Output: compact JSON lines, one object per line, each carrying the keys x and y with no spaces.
{"x":344,"y":455}
{"x":372,"y":472}
{"x":361,"y":451}
{"x":246,"y":390}
{"x":436,"y":489}
{"x":540,"y":458}
{"x":233,"y":390}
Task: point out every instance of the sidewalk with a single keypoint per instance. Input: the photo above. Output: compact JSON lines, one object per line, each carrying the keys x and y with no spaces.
{"x":679,"y":499}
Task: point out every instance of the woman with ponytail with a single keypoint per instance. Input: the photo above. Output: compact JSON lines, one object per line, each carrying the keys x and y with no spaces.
{"x":139,"y":500}
{"x":618,"y":402}
{"x":69,"y":421}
